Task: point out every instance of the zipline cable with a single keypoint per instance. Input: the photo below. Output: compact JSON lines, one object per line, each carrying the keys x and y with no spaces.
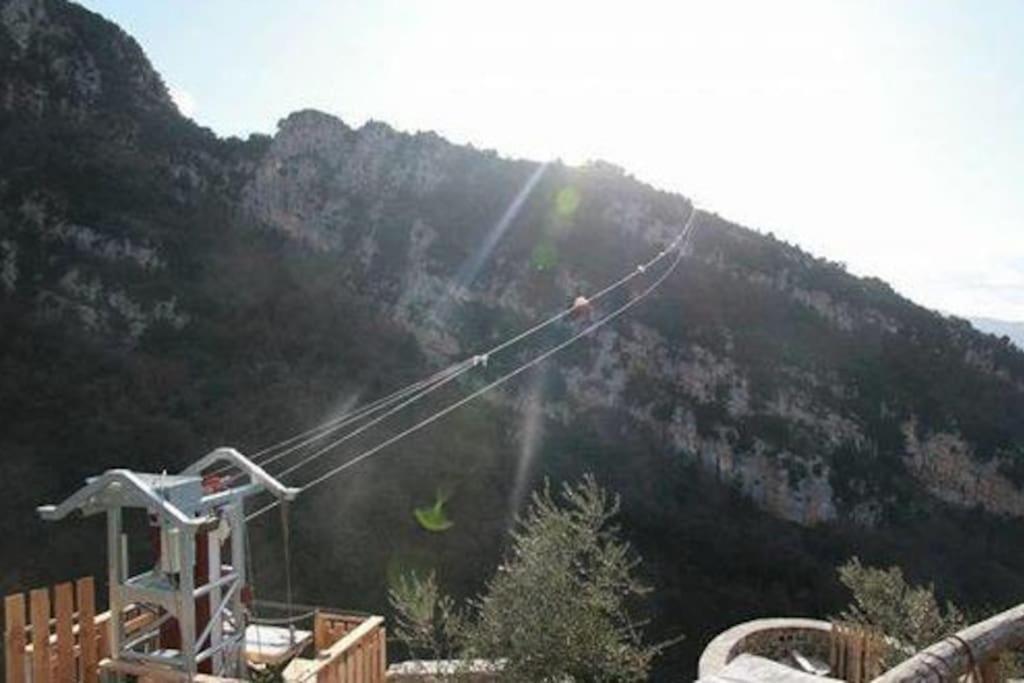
{"x":357,"y":414}
{"x":338,"y":422}
{"x":354,"y":414}
{"x":466,"y":367}
{"x":680,"y":243}
{"x":417,"y":391}
{"x":325,"y":449}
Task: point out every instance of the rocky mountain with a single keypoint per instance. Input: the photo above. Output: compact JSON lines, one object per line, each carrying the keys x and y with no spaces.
{"x":764,"y":414}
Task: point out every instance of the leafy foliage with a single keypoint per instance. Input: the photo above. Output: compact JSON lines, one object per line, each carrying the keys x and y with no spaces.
{"x":910,"y":615}
{"x":558,"y":609}
{"x":427,"y":622}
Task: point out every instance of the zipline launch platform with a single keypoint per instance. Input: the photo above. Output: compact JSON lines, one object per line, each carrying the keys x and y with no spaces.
{"x":194,"y":591}
{"x":188,"y":615}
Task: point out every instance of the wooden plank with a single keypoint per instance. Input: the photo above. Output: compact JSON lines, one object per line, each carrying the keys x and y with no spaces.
{"x":876,"y":656}
{"x":102,"y":636}
{"x":139,"y":622}
{"x":85,"y":590}
{"x":991,"y":670}
{"x":832,"y":648}
{"x":103,"y":641}
{"x":866,"y":654}
{"x":341,"y":648}
{"x":40,"y":608}
{"x":374,"y":656}
{"x":381,"y":663}
{"x":163,"y":675}
{"x":319,"y":632}
{"x":839,"y":670}
{"x":14,"y":638}
{"x":848,"y":654}
{"x":858,"y":657}
{"x":64,"y":608}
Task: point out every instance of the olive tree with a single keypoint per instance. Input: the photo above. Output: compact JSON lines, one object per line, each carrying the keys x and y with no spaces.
{"x":910,"y":615}
{"x":558,"y":608}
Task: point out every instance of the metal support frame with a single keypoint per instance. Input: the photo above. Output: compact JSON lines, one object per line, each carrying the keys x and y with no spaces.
{"x":182,"y":508}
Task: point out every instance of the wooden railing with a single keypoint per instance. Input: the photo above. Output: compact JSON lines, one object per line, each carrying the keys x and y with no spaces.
{"x":330,"y":627}
{"x":973,"y":651}
{"x":348,"y":650}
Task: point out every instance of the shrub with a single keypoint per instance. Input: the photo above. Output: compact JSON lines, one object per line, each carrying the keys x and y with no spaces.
{"x":558,"y":609}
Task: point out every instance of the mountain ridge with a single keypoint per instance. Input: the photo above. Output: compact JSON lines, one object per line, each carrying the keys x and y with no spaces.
{"x":1012,"y":329}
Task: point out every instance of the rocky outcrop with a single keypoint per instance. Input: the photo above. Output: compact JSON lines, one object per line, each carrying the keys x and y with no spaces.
{"x":105,"y":310}
{"x":60,"y":59}
{"x":317,"y":166}
{"x":946,"y":465}
{"x":92,"y":242}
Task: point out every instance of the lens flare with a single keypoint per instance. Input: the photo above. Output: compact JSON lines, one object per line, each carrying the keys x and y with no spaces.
{"x":433,"y":517}
{"x":567,"y":201}
{"x":531,"y":435}
{"x":544,"y":255}
{"x":469,"y":270}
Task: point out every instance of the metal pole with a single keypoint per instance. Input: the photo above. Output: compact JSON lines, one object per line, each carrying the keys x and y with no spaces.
{"x":187,"y":601}
{"x":285,"y":532}
{"x":115,"y":576}
{"x":236,"y":519}
{"x":213,"y":540}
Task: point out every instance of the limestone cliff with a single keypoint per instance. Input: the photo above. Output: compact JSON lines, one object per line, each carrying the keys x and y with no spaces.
{"x":337,"y":189}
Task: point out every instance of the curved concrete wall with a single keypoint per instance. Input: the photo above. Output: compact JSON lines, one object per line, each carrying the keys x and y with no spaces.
{"x":772,"y":638}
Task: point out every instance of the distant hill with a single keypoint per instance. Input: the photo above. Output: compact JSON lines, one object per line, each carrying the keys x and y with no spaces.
{"x":764,"y":414}
{"x":1002,"y":328}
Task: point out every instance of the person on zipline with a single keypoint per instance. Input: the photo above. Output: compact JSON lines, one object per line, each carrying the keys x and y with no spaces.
{"x":581,"y":308}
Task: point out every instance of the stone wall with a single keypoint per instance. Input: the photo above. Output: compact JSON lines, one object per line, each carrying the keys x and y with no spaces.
{"x":769,"y":638}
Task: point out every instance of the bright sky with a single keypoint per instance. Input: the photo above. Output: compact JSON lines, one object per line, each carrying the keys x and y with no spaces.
{"x":888,"y":134}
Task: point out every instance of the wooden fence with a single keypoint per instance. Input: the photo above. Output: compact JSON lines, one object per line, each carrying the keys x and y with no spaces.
{"x":55,"y":645}
{"x":348,"y":650}
{"x":55,"y":636}
{"x":329,"y":628}
{"x":855,"y":653}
